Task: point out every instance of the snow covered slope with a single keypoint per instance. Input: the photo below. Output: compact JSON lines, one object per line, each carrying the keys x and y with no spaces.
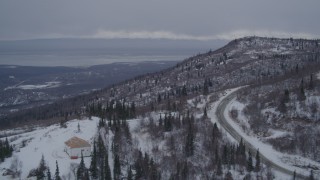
{"x":49,"y":142}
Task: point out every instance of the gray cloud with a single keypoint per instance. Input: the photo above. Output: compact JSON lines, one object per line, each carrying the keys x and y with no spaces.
{"x":170,"y":19}
{"x":170,"y":35}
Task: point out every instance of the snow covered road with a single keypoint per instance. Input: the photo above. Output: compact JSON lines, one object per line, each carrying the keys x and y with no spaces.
{"x":221,"y":118}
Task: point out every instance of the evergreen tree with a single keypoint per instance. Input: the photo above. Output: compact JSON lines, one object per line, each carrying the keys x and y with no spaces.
{"x":184,"y":90}
{"x":205,"y":88}
{"x":225,"y":159}
{"x":86,"y":175}
{"x":101,"y":123}
{"x":93,"y":165}
{"x":48,"y":174}
{"x":146,"y":162}
{"x":133,"y":110}
{"x":41,"y":169}
{"x":6,"y":149}
{"x":189,"y":147}
{"x":249,"y":162}
{"x":241,"y":153}
{"x":102,"y":169}
{"x":215,"y":133}
{"x":169,"y":105}
{"x":172,"y":177}
{"x":117,"y":167}
{"x":302,"y":95}
{"x":57,"y":174}
{"x":138,"y":166}
{"x":216,"y":156}
{"x":126,"y":130}
{"x":81,"y":169}
{"x":153,"y":174}
{"x":228,"y":176}
{"x":311,"y":86}
{"x":232,"y":155}
{"x":107,"y":171}
{"x":205,"y":115}
{"x":159,"y":98}
{"x":219,"y":168}
{"x":258,"y":165}
{"x":286,"y":96}
{"x":185,"y":171}
{"x":167,"y":123}
{"x":129,"y":176}
{"x":311,"y":177}
{"x":160,"y":121}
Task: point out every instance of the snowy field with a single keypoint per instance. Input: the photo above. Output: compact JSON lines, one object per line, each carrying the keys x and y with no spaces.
{"x":49,"y":141}
{"x":46,"y":85}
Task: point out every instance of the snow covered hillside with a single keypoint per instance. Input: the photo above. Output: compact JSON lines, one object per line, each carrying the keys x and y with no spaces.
{"x":165,"y":125}
{"x":289,"y":161}
{"x":249,"y":60}
{"x":49,"y":142}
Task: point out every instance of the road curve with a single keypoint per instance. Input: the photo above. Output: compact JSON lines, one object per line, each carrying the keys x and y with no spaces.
{"x":224,"y":123}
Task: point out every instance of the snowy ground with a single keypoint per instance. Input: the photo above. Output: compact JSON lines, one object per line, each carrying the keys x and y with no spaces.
{"x":142,"y":139}
{"x":289,"y":161}
{"x":49,"y":141}
{"x":46,"y":85}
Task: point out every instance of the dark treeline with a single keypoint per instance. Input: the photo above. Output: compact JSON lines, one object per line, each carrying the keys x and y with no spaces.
{"x":112,"y":110}
{"x":5,"y":149}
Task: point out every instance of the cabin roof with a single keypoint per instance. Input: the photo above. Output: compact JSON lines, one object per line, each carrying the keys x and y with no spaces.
{"x":76,"y":142}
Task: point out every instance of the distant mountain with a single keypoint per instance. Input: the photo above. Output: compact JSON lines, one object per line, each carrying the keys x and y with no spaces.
{"x":246,"y":61}
{"x":69,"y":43}
{"x":89,"y":52}
{"x":27,"y":86}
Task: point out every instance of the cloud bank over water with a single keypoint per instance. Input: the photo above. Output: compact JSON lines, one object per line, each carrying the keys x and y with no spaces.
{"x":105,"y":34}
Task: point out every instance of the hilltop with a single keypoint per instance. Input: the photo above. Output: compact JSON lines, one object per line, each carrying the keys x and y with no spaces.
{"x":250,"y":60}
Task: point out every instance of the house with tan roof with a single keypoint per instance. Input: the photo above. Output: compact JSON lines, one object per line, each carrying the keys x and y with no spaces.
{"x":74,"y":146}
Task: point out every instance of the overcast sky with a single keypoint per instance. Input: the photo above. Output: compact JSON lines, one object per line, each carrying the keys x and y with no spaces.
{"x":171,"y":19}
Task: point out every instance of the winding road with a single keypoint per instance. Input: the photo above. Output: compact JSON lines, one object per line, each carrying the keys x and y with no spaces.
{"x":224,"y":123}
